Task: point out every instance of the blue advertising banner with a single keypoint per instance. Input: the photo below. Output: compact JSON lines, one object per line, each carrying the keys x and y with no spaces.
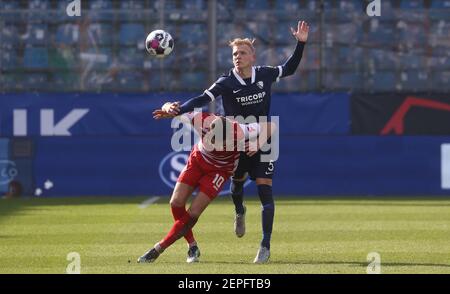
{"x":307,"y":166}
{"x":110,"y":145}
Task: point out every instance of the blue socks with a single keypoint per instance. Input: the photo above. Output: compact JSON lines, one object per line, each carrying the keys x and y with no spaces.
{"x":237,"y":193}
{"x":268,"y":211}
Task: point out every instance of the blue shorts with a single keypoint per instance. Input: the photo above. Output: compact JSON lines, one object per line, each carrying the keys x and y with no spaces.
{"x":254,"y":167}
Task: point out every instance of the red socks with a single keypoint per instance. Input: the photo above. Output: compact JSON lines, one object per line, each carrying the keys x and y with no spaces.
{"x":181,"y":227}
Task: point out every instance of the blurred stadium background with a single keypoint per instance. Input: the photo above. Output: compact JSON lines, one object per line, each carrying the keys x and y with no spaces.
{"x":367,"y":112}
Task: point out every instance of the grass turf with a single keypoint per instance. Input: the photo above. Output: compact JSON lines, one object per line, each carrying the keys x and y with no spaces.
{"x":313,"y":235}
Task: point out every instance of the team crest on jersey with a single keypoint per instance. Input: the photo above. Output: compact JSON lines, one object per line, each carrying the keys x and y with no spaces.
{"x":260,"y":84}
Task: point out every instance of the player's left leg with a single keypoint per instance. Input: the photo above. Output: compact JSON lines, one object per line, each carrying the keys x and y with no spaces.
{"x":263,"y":172}
{"x":264,"y":186}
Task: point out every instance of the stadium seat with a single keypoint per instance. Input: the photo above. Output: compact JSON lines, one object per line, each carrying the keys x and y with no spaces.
{"x":100,"y":58}
{"x":68,"y":34}
{"x":260,"y":31}
{"x":412,"y":33}
{"x":101,"y":33}
{"x":384,"y":81}
{"x":192,"y":34}
{"x":412,"y":4}
{"x":132,"y":10}
{"x":225,"y":9}
{"x":130,"y":81}
{"x":35,"y":81}
{"x":131,"y":34}
{"x":224,"y":57}
{"x":37,"y":35}
{"x":440,"y":10}
{"x":345,"y":32}
{"x":100,"y":10}
{"x":287,"y":5}
{"x":381,"y":33}
{"x":256,"y":5}
{"x":414,"y":80}
{"x":194,"y":81}
{"x":9,"y":36}
{"x":193,"y":5}
{"x":131,"y":58}
{"x":61,"y":11}
{"x":11,"y":82}
{"x":383,"y":58}
{"x":65,"y":81}
{"x":39,"y":10}
{"x":9,"y":10}
{"x":35,"y":58}
{"x":8,"y":59}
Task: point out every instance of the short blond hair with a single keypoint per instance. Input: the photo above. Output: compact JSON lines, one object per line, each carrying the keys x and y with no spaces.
{"x":240,"y":41}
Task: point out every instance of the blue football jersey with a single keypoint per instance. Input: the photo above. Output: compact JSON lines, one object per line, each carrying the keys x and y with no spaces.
{"x":250,"y":97}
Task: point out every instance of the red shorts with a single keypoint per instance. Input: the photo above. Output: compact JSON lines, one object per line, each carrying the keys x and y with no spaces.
{"x":199,"y":173}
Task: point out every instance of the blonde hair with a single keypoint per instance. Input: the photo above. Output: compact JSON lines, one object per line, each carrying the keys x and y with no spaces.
{"x":240,"y":41}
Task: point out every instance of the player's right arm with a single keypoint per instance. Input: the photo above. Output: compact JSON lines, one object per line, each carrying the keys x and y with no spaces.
{"x":209,"y":95}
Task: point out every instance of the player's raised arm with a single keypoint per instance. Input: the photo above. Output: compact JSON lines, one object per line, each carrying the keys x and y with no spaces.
{"x":301,"y":34}
{"x":208,"y":96}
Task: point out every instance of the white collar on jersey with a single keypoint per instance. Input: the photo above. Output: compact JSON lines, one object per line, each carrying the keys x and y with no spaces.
{"x":241,"y":81}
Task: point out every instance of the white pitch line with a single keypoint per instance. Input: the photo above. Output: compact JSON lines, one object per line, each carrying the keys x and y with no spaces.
{"x":149,"y":201}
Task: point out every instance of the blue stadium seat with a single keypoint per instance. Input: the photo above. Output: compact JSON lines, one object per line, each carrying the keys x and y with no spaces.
{"x":414,"y":80}
{"x":381,"y":33}
{"x":132,"y":10}
{"x":412,"y":4}
{"x":412,"y":34}
{"x":35,"y":81}
{"x":35,"y":58}
{"x":440,"y":10}
{"x":287,"y":5}
{"x":99,"y":10}
{"x":225,"y":9}
{"x":383,"y":58}
{"x":256,"y":5}
{"x":440,"y":4}
{"x":154,"y":80}
{"x":192,"y":34}
{"x":39,"y":10}
{"x":281,"y":33}
{"x":194,"y":81}
{"x":61,"y":11}
{"x":65,"y":81}
{"x":260,"y":31}
{"x":441,"y":80}
{"x":130,"y":81}
{"x":37,"y":35}
{"x":68,"y":34}
{"x":193,"y":4}
{"x":8,"y":59}
{"x":101,"y":33}
{"x":350,"y":5}
{"x":224,"y":57}
{"x":9,"y":10}
{"x":99,"y":58}
{"x":9,"y":36}
{"x":131,"y":58}
{"x":131,"y":34}
{"x":384,"y":81}
{"x":10,"y":81}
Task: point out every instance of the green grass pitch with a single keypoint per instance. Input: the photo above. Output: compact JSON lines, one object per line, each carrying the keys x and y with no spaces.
{"x":311,"y":235}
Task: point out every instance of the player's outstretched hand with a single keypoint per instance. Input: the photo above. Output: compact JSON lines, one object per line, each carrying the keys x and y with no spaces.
{"x":171,"y":107}
{"x":302,"y":31}
{"x":159,"y":114}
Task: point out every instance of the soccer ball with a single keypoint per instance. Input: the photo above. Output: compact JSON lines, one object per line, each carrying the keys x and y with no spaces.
{"x":159,"y":43}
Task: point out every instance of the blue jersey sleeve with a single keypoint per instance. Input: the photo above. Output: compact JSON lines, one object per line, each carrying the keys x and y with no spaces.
{"x":209,"y":95}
